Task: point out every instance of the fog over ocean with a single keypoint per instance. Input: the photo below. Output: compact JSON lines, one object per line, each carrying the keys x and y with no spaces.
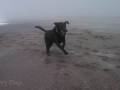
{"x":109,"y":24}
{"x":97,"y":15}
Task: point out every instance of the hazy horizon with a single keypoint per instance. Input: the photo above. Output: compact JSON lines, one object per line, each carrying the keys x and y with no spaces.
{"x":54,"y":9}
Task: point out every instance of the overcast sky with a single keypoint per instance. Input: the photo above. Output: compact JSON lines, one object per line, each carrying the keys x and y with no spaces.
{"x":46,"y":9}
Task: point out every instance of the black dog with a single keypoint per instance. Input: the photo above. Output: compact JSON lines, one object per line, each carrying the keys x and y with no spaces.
{"x":56,"y":35}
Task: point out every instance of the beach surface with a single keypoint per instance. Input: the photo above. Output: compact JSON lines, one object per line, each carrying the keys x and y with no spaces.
{"x":93,"y":62}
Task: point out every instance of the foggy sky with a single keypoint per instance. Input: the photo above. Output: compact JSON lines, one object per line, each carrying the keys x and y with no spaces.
{"x":49,"y":9}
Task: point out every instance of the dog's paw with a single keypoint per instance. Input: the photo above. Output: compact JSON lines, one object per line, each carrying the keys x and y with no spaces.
{"x":66,"y":53}
{"x":48,"y":54}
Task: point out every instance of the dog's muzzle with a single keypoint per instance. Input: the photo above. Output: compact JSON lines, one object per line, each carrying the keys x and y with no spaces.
{"x":63,"y":33}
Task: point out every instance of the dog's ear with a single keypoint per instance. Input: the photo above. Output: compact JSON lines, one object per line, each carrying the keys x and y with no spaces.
{"x":66,"y":22}
{"x":56,"y":23}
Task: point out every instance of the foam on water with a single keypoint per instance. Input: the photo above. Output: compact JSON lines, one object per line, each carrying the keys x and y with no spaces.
{"x":3,"y":23}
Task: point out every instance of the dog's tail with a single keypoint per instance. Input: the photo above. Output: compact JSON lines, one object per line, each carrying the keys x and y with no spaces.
{"x":41,"y":28}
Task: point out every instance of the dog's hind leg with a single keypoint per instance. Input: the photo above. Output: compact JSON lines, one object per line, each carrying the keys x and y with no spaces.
{"x":47,"y":49}
{"x":48,"y":45}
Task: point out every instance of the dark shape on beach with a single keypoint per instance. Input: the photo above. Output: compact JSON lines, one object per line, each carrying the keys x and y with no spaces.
{"x":56,"y":35}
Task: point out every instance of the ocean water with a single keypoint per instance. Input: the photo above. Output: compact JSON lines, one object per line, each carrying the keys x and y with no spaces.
{"x":97,"y":24}
{"x":100,"y":24}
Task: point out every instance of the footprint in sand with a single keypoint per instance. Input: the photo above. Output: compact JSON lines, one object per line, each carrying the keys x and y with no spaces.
{"x":80,"y":42}
{"x":106,"y":69}
{"x":104,"y":58}
{"x":95,"y":51}
{"x":87,"y":48}
{"x":80,"y":56}
{"x":117,"y":67}
{"x":89,"y":66}
{"x":104,"y":45}
{"x":66,"y":74}
{"x":77,"y":46}
{"x":87,"y":53}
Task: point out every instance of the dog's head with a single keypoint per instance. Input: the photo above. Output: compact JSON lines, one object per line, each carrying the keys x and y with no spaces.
{"x":61,"y":27}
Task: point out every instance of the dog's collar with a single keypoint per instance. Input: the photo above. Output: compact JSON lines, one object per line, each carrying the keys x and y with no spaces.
{"x":63,"y":33}
{"x":57,"y":30}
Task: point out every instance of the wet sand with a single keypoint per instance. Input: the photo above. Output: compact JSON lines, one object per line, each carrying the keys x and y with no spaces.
{"x":93,"y":62}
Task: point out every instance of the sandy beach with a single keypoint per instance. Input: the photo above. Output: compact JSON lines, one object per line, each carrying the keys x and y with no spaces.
{"x":93,"y":62}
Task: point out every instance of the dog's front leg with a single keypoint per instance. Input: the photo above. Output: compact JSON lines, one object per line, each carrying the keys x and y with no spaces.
{"x":65,"y":52}
{"x":63,"y":40}
{"x":63,"y":45}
